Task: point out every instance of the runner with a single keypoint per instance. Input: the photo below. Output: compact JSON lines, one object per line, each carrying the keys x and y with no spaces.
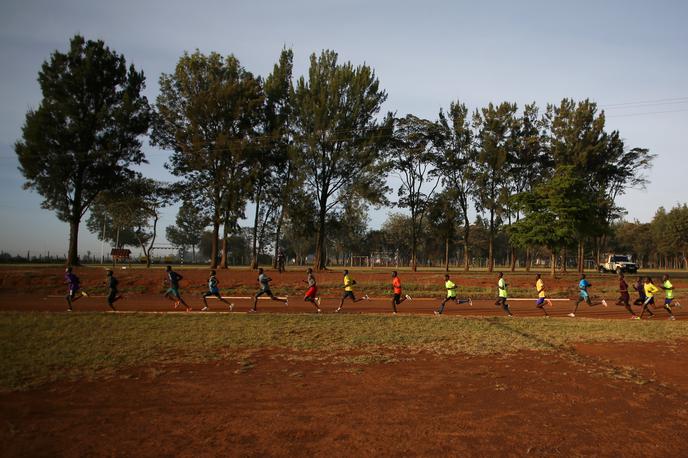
{"x":312,"y":292}
{"x":280,"y":260}
{"x":396,"y":287}
{"x":73,"y":293}
{"x":624,"y":297}
{"x":542,"y":296}
{"x":349,"y":291}
{"x":450,"y":286}
{"x":650,"y":291}
{"x":639,"y":286}
{"x":584,"y":296}
{"x":264,"y":282}
{"x":503,"y":294}
{"x":113,"y":295}
{"x":669,"y":291}
{"x":172,"y":292}
{"x":214,"y":290}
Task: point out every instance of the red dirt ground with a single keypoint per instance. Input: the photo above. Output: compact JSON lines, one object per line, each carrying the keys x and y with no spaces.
{"x":531,"y":404}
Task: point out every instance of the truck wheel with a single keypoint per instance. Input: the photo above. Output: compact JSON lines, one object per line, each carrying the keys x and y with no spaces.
{"x":601,"y":269}
{"x":618,"y":270}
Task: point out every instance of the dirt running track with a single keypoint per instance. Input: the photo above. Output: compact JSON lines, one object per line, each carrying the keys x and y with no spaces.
{"x":42,"y":288}
{"x":527,"y":405}
{"x":155,"y":303}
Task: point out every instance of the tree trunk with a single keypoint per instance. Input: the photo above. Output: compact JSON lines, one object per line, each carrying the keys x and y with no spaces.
{"x":320,"y":261}
{"x":563,"y":261}
{"x":214,"y":241}
{"x":513,"y":258}
{"x":414,"y":243}
{"x":254,"y":248}
{"x":527,"y":259}
{"x":446,"y":254}
{"x":490,"y":251}
{"x":553,"y":261}
{"x":466,"y":256}
{"x":225,"y":243}
{"x":73,"y":254}
{"x":580,"y":261}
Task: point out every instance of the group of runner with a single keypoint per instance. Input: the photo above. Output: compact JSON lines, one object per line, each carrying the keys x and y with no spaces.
{"x":644,"y":286}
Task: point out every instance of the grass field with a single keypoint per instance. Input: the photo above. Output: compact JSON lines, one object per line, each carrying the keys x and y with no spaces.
{"x":44,"y":347}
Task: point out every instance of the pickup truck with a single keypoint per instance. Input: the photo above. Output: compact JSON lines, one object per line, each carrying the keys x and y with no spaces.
{"x":618,"y":263}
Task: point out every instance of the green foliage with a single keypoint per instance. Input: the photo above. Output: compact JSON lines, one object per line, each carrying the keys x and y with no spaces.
{"x":208,"y":111}
{"x":496,"y":134}
{"x":85,"y":133}
{"x":338,"y":136}
{"x":412,"y":158}
{"x":134,"y":208}
{"x":191,"y":222}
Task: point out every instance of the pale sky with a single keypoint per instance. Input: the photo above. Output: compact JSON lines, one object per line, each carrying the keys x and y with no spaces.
{"x":425,"y":53}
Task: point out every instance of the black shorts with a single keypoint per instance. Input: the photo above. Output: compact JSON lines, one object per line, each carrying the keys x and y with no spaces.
{"x":264,"y":291}
{"x":624,"y":298}
{"x":212,"y":293}
{"x":501,"y":300}
{"x":349,"y":294}
{"x":397,"y":298}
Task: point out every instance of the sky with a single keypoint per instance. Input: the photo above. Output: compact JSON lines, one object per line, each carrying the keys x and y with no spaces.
{"x":631,"y":57}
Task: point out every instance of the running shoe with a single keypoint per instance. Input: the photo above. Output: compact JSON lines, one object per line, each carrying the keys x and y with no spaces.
{"x":366,"y":297}
{"x":436,"y":313}
{"x":338,"y":309}
{"x":672,"y":318}
{"x":252,"y":311}
{"x":286,"y":300}
{"x":604,"y":302}
{"x":84,"y":293}
{"x":635,"y":317}
{"x":69,"y":309}
{"x":470,"y":302}
{"x":572,"y":315}
{"x":677,"y":304}
{"x":408,"y":298}
{"x":317,"y":301}
{"x":176,"y":304}
{"x":394,"y":313}
{"x":319,"y":311}
{"x":204,"y":309}
{"x":231,"y":307}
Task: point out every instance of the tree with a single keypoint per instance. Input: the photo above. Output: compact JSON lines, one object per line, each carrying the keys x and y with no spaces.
{"x":86,"y":132}
{"x":528,"y":164}
{"x":397,"y":235}
{"x":495,"y":140}
{"x":412,"y":157}
{"x":208,"y":112}
{"x":552,"y":212}
{"x":340,"y":141}
{"x":273,"y":175}
{"x":577,"y":137}
{"x":135,"y":208}
{"x":191,"y":224}
{"x":456,"y":163}
{"x":446,"y":218}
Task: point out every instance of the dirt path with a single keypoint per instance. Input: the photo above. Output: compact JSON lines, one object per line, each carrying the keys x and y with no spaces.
{"x":273,"y":404}
{"x":155,"y":303}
